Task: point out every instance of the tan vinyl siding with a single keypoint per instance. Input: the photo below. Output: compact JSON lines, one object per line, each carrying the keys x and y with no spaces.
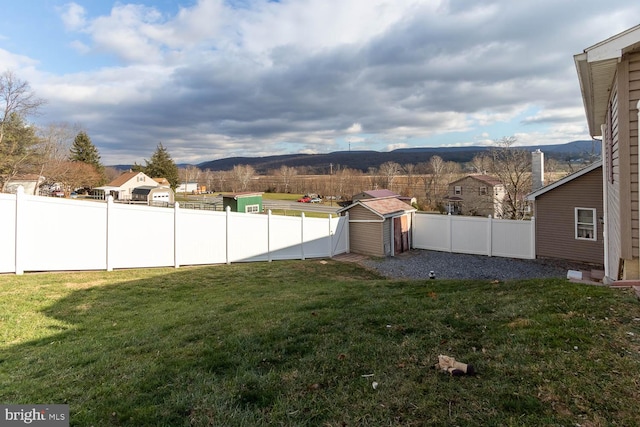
{"x":634,"y":96}
{"x":386,"y":237}
{"x":555,"y":220}
{"x":365,"y":237}
{"x":613,"y":182}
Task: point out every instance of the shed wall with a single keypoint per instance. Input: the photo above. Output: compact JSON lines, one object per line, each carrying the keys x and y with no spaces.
{"x":555,"y":220}
{"x":365,"y":237}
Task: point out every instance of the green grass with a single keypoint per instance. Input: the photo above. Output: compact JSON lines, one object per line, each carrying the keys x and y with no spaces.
{"x":293,"y":343}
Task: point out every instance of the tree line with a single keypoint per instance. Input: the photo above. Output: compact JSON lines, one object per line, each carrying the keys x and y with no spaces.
{"x":62,"y":154}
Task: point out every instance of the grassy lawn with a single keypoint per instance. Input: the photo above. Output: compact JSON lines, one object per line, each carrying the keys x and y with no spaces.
{"x":300,"y":343}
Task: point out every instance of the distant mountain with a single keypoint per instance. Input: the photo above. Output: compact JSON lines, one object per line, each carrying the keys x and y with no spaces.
{"x":363,"y":160}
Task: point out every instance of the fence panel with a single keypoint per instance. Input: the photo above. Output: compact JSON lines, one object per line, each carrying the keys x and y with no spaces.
{"x":432,"y":232}
{"x":140,"y":236}
{"x":339,"y":235}
{"x":7,"y":233}
{"x":47,"y":234}
{"x":513,"y":239}
{"x":248,"y":238}
{"x":475,"y":235}
{"x":202,"y":237}
{"x":469,"y":235}
{"x":60,"y":234}
{"x":287,"y":237}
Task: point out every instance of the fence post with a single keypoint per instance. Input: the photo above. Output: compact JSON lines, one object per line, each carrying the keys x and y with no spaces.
{"x":19,"y":234}
{"x":176,"y":234}
{"x":226,"y":237}
{"x":533,"y":238}
{"x":302,"y":236}
{"x":450,"y":225}
{"x":330,"y":239}
{"x":109,"y":230}
{"x":269,"y":235}
{"x":346,"y":224}
{"x":490,"y":236}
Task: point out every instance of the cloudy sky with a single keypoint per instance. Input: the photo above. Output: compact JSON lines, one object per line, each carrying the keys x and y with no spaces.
{"x":212,"y":78}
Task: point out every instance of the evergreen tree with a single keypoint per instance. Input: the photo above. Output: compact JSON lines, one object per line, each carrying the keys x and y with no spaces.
{"x":162,"y":165}
{"x":83,"y":150}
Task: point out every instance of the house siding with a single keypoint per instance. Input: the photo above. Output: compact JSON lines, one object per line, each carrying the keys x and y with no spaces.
{"x":365,"y":237}
{"x":555,"y":220}
{"x":634,"y":96}
{"x":612,"y":172}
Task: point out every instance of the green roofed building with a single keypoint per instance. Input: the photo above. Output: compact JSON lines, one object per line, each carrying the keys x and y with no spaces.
{"x":243,"y":202}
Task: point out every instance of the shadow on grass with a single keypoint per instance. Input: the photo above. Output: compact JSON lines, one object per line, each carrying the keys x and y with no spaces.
{"x":295,"y":343}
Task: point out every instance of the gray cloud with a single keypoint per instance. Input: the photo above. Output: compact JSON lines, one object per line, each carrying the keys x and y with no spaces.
{"x":424,"y":73}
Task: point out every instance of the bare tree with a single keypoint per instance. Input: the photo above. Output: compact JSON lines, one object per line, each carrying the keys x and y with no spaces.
{"x":17,"y":101}
{"x":286,"y":173}
{"x":242,"y":176}
{"x":389,"y":171}
{"x":481,"y":163}
{"x":16,"y":97}
{"x":513,"y":167}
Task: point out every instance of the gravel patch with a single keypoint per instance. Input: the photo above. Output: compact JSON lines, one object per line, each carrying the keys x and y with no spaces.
{"x":417,"y":264}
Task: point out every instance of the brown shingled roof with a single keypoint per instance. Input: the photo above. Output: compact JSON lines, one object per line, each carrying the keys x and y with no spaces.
{"x":119,"y":181}
{"x":386,"y":205}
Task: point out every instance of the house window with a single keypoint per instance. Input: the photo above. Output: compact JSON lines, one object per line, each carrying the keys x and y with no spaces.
{"x":457,"y":190}
{"x":585,"y":224}
{"x":483,"y":191}
{"x":252,"y":208}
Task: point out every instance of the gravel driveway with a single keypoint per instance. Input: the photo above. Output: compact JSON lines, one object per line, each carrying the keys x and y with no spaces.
{"x":417,"y":264}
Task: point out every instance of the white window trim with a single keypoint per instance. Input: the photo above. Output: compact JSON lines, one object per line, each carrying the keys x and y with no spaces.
{"x":457,"y":190}
{"x":594,"y":224}
{"x":252,"y":208}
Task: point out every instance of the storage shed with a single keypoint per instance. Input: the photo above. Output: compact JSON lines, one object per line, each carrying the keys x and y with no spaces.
{"x":380,"y":226}
{"x":158,"y":196}
{"x":569,"y":216}
{"x":243,"y":202}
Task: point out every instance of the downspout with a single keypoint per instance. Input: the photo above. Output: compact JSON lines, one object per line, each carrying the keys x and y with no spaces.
{"x":605,"y":207}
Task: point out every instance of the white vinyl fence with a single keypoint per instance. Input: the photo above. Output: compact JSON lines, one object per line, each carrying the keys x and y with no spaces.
{"x":475,"y":235}
{"x":48,"y":234}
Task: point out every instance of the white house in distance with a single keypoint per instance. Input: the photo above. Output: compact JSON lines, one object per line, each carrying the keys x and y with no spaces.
{"x":122,"y":187}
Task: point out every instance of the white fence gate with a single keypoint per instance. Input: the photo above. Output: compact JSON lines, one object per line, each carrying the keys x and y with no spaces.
{"x":49,"y":234}
{"x":475,"y":235}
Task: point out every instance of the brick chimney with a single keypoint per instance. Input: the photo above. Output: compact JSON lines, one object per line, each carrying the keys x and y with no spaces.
{"x":537,"y":170}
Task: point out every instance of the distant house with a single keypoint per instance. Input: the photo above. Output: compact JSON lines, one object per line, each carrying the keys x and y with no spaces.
{"x":376,"y":194}
{"x":188,"y":187}
{"x":153,"y":195}
{"x":122,"y":187}
{"x":568,"y":217}
{"x":480,"y":195}
{"x":243,"y":202}
{"x":379,"y":226}
{"x":30,"y":184}
{"x":609,"y":75}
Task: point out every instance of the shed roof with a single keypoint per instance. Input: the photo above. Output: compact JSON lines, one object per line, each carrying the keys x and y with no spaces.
{"x":237,"y":196}
{"x":385,"y":207}
{"x":596,"y":67}
{"x":568,"y":178}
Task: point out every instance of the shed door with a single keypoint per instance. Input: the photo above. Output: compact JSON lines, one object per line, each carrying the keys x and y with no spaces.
{"x":400,"y":234}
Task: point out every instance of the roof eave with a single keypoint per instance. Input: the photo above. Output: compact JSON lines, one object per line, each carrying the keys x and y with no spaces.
{"x":596,"y":67}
